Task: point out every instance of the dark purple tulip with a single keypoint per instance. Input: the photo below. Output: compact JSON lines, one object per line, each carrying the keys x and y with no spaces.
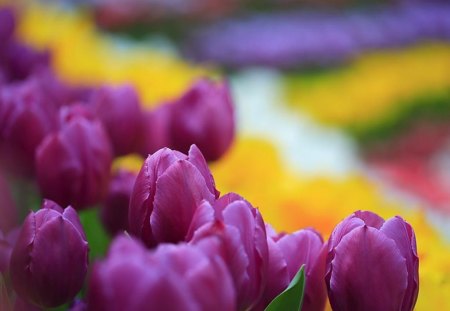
{"x":237,"y":232}
{"x":173,"y":277}
{"x":25,"y":119}
{"x":204,"y":116}
{"x":155,"y":130}
{"x":287,"y":253}
{"x":73,"y":165}
{"x":114,"y":212}
{"x":166,"y":194}
{"x":8,"y":209}
{"x":50,"y":258}
{"x":120,"y":111}
{"x":372,"y":264}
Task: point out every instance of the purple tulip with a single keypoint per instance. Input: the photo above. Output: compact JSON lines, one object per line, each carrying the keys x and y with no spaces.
{"x":372,"y":264}
{"x":7,"y":24}
{"x":155,"y":130}
{"x":25,"y":119}
{"x":204,"y":116}
{"x":237,"y":232}
{"x":166,"y":194}
{"x":173,"y":277}
{"x":120,"y":111}
{"x":50,"y":258}
{"x":114,"y":212}
{"x":73,"y":164}
{"x":287,"y":253}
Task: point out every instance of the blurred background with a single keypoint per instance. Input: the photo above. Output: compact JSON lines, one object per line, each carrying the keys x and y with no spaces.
{"x":341,"y":105}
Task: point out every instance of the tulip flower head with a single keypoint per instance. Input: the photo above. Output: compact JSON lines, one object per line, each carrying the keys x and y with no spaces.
{"x":372,"y":264}
{"x":50,"y":257}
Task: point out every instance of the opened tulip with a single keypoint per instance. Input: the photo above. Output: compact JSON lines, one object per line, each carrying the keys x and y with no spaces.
{"x":173,"y":277}
{"x":372,"y":264}
{"x":120,"y":111}
{"x":167,"y":192}
{"x":50,"y":257}
{"x":73,"y":165}
{"x":114,"y":212}
{"x":237,"y":232}
{"x":204,"y":116}
{"x":287,"y":253}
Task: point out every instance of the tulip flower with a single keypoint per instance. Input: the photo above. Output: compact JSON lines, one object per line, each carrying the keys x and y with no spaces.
{"x":287,"y":253}
{"x":50,"y":257}
{"x":204,"y":116}
{"x":155,"y":130}
{"x":237,"y":232}
{"x":173,"y":277}
{"x":114,"y":212}
{"x":372,"y":264}
{"x":7,"y":24}
{"x":25,"y":119}
{"x":73,"y":164}
{"x":167,"y":192}
{"x":120,"y":111}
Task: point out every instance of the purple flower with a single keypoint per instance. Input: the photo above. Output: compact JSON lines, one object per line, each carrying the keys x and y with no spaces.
{"x":372,"y":264}
{"x":166,"y":194}
{"x":120,"y":111}
{"x":7,"y":24}
{"x":173,"y":277}
{"x":287,"y":253}
{"x":50,"y":258}
{"x":236,"y":231}
{"x":204,"y":116}
{"x":114,"y":212}
{"x":155,"y":130}
{"x":25,"y":119}
{"x":73,"y":164}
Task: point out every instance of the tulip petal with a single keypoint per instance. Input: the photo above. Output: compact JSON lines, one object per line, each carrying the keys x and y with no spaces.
{"x":403,"y":235}
{"x":196,"y":158}
{"x":368,"y":273}
{"x":370,"y":219}
{"x":178,"y":193}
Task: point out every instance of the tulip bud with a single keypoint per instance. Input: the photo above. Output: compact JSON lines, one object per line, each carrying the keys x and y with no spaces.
{"x":114,"y":212}
{"x":73,"y":165}
{"x":173,"y":277}
{"x":372,"y":264}
{"x":287,"y":253}
{"x":238,"y":234}
{"x":50,"y":257}
{"x":204,"y":116}
{"x":25,"y":119}
{"x":167,"y":192}
{"x":155,"y":130}
{"x":120,"y":111}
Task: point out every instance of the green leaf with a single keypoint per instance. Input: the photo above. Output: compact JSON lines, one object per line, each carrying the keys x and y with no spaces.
{"x":96,"y":235}
{"x":291,"y":299}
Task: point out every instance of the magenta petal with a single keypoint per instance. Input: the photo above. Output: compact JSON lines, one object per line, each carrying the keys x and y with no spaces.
{"x":70,"y":214}
{"x":399,"y":231}
{"x":204,"y":214}
{"x":196,"y":158}
{"x":370,"y":219}
{"x":178,"y":193}
{"x":368,"y":273}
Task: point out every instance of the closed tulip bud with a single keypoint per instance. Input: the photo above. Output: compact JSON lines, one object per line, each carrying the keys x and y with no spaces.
{"x":120,"y":111}
{"x":173,"y":277}
{"x":155,"y":130}
{"x":25,"y":119}
{"x":167,"y":192}
{"x":50,"y":257}
{"x":372,"y":264}
{"x":114,"y":212}
{"x":204,"y":116}
{"x":73,"y":165}
{"x":238,"y":234}
{"x":287,"y":253}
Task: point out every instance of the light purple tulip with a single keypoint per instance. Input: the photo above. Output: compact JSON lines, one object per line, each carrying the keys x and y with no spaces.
{"x":114,"y":212}
{"x":172,"y":277}
{"x":287,"y":253}
{"x":204,"y":116}
{"x":50,"y":257}
{"x":120,"y":111}
{"x":236,"y":230}
{"x":73,"y":165}
{"x":166,"y":194}
{"x":372,"y":264}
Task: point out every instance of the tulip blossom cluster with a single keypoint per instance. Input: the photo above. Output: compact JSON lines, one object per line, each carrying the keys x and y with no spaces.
{"x":66,"y":137}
